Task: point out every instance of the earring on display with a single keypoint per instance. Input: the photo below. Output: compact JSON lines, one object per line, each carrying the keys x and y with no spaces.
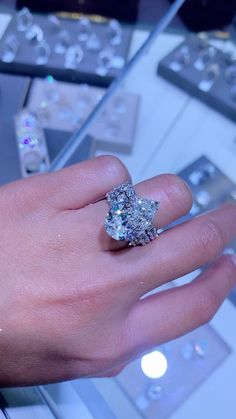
{"x":182,"y":56}
{"x":10,"y":49}
{"x":104,"y":61}
{"x":33,"y":162}
{"x":212,"y":72}
{"x":205,"y":57}
{"x":84,"y":29}
{"x":93,"y":43}
{"x":34,"y":34}
{"x":115,"y":32}
{"x":54,"y":23}
{"x":73,"y":57}
{"x":230,"y":74}
{"x":24,"y":19}
{"x":229,"y":53}
{"x":63,"y":42}
{"x":31,"y":143}
{"x":202,"y":40}
{"x":210,"y":75}
{"x":43,"y":52}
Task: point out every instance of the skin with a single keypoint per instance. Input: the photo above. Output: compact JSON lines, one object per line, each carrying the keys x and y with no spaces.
{"x":70,"y":302}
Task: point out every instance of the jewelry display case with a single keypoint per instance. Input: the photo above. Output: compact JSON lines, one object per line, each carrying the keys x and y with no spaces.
{"x":174,"y":133}
{"x":205,"y":69}
{"x":69,"y":49}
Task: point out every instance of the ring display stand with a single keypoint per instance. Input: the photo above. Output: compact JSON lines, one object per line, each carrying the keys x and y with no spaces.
{"x":65,"y":107}
{"x":205,"y":72}
{"x":17,"y":88}
{"x":65,"y":48}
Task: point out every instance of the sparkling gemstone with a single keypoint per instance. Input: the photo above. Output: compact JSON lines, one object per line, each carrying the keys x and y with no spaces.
{"x":130,"y":218}
{"x":116,"y":226}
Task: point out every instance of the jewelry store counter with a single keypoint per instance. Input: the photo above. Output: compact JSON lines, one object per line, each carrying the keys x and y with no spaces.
{"x":173,"y":130}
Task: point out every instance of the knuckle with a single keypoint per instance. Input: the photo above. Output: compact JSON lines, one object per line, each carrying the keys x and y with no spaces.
{"x":114,"y":167}
{"x":211,"y":239}
{"x":207,"y":306}
{"x":178,"y":192}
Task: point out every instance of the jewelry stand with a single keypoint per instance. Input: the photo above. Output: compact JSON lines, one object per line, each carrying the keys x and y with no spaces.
{"x":65,"y":107}
{"x":70,"y":50}
{"x":205,"y":72}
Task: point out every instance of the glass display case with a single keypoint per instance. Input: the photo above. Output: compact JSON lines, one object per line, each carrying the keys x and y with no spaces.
{"x":154,"y":126}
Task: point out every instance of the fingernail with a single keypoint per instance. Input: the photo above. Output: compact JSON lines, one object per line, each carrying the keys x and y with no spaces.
{"x":233,"y":257}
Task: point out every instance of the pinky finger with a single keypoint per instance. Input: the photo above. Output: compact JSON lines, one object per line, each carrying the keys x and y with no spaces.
{"x":169,"y":314}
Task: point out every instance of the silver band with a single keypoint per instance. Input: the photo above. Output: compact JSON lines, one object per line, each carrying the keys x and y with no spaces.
{"x":130,"y":218}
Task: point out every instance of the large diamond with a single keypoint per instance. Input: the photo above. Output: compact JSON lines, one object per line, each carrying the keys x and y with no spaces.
{"x":117,"y":225}
{"x":130,"y":218}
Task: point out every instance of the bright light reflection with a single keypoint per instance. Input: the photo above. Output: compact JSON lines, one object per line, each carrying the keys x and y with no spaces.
{"x":154,"y":365}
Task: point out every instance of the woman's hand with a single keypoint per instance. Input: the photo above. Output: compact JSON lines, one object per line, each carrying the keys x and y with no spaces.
{"x":70,"y":296}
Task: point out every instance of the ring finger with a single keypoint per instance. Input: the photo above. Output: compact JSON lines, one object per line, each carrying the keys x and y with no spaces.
{"x":175,"y":201}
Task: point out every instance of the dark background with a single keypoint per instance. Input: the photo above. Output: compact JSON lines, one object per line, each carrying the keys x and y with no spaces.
{"x":149,"y":11}
{"x":197,"y":15}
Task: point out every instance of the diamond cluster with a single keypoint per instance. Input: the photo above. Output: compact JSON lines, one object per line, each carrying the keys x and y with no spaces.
{"x":130,"y":218}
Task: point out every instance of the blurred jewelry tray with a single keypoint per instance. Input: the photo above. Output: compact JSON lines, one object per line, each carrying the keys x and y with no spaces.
{"x":204,"y":71}
{"x":68,"y":49}
{"x":17,"y":88}
{"x":65,"y":107}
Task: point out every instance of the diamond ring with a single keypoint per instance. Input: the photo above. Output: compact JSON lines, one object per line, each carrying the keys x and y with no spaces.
{"x":130,"y":218}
